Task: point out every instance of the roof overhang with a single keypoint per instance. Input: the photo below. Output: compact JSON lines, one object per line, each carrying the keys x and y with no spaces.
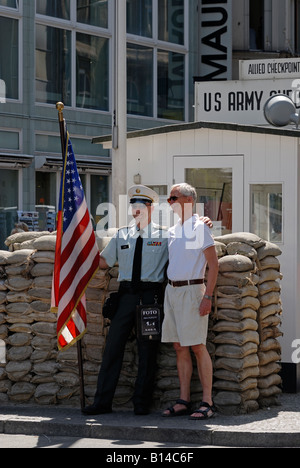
{"x":106,"y":140}
{"x":15,"y":161}
{"x":97,"y":165}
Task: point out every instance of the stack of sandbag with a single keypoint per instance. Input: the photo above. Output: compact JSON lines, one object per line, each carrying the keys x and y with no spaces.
{"x":247,"y":323}
{"x":241,"y":340}
{"x":32,"y":358}
{"x":18,"y":320}
{"x":94,"y":340}
{"x":34,"y":369}
{"x":269,"y":322}
{"x":236,"y":365}
{"x":237,"y":339}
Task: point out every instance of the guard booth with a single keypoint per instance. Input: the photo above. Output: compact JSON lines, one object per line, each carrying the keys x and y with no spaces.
{"x":247,"y":179}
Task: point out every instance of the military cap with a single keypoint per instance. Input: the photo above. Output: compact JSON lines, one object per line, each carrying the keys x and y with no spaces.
{"x":142,"y":193}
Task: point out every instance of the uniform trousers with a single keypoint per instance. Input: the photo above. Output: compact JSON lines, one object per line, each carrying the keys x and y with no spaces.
{"x":120,"y":329}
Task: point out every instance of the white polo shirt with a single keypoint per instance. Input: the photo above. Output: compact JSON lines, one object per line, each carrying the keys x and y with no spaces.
{"x":187,"y":243}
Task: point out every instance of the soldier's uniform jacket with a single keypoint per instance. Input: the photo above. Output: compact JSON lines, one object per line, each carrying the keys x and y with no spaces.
{"x":154,"y":255}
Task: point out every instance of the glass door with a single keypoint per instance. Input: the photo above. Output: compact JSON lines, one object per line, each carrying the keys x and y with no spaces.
{"x":218,"y":181}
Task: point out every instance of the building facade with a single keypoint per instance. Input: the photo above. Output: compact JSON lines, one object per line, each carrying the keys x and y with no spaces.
{"x":62,"y":50}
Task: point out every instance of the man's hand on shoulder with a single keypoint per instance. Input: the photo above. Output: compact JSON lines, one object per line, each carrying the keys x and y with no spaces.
{"x":207,"y":221}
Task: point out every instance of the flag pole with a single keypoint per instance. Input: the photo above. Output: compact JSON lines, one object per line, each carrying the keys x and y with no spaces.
{"x":60,"y":107}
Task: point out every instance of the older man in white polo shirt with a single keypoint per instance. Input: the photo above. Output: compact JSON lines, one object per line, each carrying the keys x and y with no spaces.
{"x":188,"y":301}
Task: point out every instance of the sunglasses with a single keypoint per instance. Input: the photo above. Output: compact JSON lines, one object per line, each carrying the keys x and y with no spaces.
{"x":140,"y":201}
{"x":173,"y":199}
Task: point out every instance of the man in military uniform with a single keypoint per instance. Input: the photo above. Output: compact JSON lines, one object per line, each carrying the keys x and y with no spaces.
{"x":142,"y":253}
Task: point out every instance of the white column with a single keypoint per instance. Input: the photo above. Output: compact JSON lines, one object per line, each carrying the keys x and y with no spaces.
{"x":119,"y":124}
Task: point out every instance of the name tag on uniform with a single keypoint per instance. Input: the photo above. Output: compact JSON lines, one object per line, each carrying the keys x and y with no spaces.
{"x":124,"y":247}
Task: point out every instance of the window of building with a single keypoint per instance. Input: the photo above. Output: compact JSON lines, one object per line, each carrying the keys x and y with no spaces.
{"x":98,"y":194}
{"x":171,"y":21}
{"x":140,"y":80}
{"x":93,"y":13}
{"x":266,"y":211}
{"x":256,"y":26}
{"x":296,"y":26}
{"x":46,"y":188}
{"x":214,"y":195}
{"x":9,"y":62}
{"x":53,"y":65}
{"x":139,"y":17}
{"x":96,"y":190}
{"x":55,"y":8}
{"x":156,"y":67}
{"x":46,"y":194}
{"x":9,"y":196}
{"x":73,"y":55}
{"x":78,"y":75}
{"x":9,"y":140}
{"x":171,"y":85}
{"x":10,"y":3}
{"x":91,"y":66}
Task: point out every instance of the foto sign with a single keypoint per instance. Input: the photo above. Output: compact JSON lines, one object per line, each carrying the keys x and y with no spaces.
{"x":240,"y":101}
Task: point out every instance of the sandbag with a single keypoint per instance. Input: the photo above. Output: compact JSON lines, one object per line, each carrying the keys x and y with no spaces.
{"x":237,"y":352}
{"x":234,"y":315}
{"x":246,"y":237}
{"x":246,"y":324}
{"x":241,"y":248}
{"x":269,"y":249}
{"x":235,"y":263}
{"x":19,"y":257}
{"x":21,"y":237}
{"x":21,"y":392}
{"x":45,"y":243}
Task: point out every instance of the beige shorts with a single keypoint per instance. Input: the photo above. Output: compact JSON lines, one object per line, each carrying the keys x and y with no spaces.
{"x":182,"y":322}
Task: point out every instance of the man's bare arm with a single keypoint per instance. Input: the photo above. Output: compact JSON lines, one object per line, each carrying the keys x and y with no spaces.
{"x":213,"y":269}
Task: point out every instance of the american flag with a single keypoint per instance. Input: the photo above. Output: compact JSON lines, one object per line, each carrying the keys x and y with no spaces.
{"x":76,"y":258}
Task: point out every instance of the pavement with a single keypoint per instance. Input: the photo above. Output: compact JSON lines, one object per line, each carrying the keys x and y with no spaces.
{"x":277,"y":426}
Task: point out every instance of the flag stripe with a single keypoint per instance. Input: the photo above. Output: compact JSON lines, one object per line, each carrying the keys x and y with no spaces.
{"x":71,"y":271}
{"x":74,"y":228}
{"x":76,"y":256}
{"x":82,"y":271}
{"x":80,"y":287}
{"x":76,"y":240}
{"x":77,"y":249}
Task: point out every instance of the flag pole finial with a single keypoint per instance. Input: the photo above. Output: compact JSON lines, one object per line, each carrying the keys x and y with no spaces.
{"x":60,"y":107}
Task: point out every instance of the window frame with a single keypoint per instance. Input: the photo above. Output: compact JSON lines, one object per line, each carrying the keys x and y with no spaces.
{"x":16,"y":14}
{"x":157,"y":45}
{"x":76,"y":27}
{"x":150,"y":42}
{"x":254,"y":188}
